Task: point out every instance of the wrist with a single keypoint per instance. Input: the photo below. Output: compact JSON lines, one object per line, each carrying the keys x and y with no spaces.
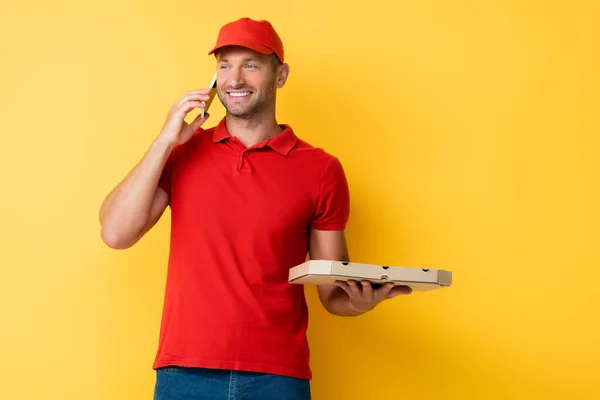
{"x":163,"y":145}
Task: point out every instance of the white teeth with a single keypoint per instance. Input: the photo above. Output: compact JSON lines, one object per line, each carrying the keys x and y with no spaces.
{"x":243,"y":94}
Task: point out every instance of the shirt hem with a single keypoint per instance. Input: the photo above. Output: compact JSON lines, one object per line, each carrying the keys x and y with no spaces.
{"x":237,"y":366}
{"x":329,"y":227}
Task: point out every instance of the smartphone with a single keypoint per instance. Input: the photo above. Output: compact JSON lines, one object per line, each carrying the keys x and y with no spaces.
{"x":212,"y":94}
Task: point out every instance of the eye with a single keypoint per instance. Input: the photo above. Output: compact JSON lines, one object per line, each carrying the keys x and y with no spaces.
{"x":251,"y":66}
{"x":223,"y":67}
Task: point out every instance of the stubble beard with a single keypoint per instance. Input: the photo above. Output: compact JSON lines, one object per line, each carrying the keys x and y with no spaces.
{"x":259,"y":106}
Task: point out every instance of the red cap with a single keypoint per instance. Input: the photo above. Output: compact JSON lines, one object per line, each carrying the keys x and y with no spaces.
{"x":256,"y":35}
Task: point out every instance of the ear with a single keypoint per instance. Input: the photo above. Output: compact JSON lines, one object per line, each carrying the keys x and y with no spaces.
{"x":283,"y":71}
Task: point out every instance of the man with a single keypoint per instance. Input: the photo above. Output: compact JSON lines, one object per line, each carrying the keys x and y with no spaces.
{"x":248,"y":201}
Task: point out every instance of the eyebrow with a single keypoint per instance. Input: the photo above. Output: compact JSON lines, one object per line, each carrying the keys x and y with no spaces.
{"x":245,"y":60}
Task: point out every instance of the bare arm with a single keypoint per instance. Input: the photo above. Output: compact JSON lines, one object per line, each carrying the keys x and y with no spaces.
{"x":332,"y":246}
{"x":346,"y":298}
{"x":133,"y":207}
{"x":137,"y":203}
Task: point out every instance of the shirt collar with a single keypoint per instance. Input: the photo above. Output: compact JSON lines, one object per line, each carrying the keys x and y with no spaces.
{"x":220,"y":132}
{"x":283,"y":143}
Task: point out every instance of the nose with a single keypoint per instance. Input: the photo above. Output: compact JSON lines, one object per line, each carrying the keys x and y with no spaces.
{"x":236,"y":78}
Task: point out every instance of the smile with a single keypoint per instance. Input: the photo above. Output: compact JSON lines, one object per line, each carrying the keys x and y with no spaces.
{"x":240,"y":94}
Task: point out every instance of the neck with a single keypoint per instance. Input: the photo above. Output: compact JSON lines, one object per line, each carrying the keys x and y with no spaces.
{"x":256,"y":129}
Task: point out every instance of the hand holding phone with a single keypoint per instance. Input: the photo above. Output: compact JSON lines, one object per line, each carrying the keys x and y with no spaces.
{"x":213,"y":92}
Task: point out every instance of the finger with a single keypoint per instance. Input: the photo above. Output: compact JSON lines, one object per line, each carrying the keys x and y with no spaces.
{"x":382,"y":293}
{"x":198,"y":121}
{"x":189,"y":106}
{"x":202,"y":91}
{"x":356,"y":291}
{"x":367,"y":290}
{"x":399,"y":290}
{"x":345,"y":287}
{"x":193,"y":96}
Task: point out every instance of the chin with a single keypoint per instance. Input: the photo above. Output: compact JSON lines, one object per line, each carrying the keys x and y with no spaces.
{"x":245,"y":113}
{"x":236,"y":112}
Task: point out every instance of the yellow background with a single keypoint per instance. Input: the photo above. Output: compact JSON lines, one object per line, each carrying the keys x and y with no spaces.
{"x":469,"y":134}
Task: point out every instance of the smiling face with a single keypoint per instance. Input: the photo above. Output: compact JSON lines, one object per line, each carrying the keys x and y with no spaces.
{"x":247,"y":81}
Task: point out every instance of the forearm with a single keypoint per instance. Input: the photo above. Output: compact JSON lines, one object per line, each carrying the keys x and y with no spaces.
{"x":125,"y":211}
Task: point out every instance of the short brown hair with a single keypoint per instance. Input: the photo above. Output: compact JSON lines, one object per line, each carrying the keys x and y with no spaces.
{"x":275,"y":62}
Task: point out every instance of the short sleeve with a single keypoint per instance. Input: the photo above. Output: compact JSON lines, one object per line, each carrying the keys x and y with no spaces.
{"x":167,"y":175}
{"x":332,"y":199}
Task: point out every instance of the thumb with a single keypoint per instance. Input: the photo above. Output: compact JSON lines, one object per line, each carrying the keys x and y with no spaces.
{"x":398,"y":290}
{"x":198,"y":121}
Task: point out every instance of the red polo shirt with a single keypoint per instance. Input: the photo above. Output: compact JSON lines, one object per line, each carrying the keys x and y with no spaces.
{"x":240,"y":219}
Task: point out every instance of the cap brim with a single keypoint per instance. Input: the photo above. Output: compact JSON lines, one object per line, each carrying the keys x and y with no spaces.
{"x":243,"y":43}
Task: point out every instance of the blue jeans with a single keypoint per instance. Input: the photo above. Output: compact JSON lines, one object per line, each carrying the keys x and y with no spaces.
{"x":179,"y":383}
